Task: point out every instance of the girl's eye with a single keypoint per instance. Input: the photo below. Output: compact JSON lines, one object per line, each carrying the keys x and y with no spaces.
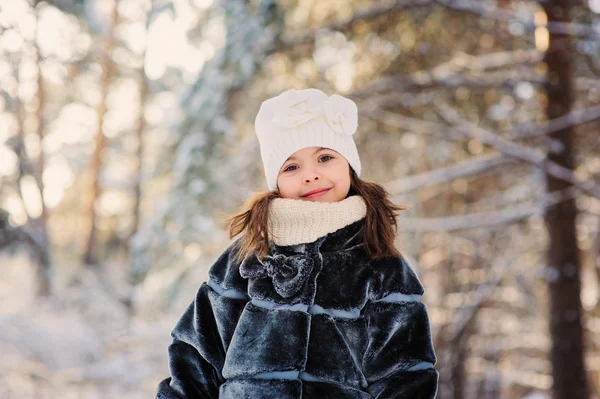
{"x":294,"y":166}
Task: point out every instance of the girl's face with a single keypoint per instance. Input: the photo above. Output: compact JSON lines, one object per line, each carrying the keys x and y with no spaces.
{"x":314,"y":168}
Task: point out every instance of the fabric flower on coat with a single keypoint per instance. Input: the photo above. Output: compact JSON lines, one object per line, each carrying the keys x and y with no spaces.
{"x":289,"y":273}
{"x":341,"y":114}
{"x":293,"y":108}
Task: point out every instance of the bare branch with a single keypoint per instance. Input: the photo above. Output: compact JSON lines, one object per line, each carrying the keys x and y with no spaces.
{"x":512,"y":213}
{"x":591,"y":63}
{"x":469,"y":221}
{"x":488,"y":11}
{"x":448,"y":173}
{"x":507,"y":147}
{"x":362,"y":14}
{"x":462,"y":70}
{"x":574,"y":118}
{"x":585,"y":84}
{"x":371,"y":109}
{"x":484,"y":292}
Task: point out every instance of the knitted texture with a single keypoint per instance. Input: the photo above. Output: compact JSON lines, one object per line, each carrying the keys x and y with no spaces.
{"x":293,"y":221}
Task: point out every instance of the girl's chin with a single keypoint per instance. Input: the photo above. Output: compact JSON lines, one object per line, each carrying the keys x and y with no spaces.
{"x":321,"y":198}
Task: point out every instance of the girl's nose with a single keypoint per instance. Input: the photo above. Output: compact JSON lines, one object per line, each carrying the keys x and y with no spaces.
{"x":310,"y":175}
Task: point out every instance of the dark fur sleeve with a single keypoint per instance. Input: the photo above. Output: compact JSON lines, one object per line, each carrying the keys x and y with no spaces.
{"x":203,"y":333}
{"x":399,"y":359}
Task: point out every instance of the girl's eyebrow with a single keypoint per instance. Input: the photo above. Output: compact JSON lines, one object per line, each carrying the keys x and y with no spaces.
{"x":318,"y":150}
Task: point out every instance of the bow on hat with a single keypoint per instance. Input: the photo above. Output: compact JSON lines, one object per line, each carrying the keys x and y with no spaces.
{"x":294,"y":108}
{"x":287,"y":272}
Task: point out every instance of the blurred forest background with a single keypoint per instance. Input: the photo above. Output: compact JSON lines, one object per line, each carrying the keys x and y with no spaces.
{"x":126,"y":134}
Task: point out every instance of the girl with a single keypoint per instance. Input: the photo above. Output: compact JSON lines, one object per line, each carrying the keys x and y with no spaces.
{"x":313,"y":300}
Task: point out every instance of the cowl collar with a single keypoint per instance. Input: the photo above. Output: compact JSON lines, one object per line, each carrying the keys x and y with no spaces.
{"x":293,"y":221}
{"x":299,"y":230}
{"x":289,"y":266}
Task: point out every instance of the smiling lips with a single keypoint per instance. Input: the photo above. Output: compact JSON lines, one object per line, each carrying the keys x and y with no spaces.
{"x":316,"y":193}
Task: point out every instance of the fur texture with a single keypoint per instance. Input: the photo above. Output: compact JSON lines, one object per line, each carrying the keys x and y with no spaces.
{"x":316,"y":320}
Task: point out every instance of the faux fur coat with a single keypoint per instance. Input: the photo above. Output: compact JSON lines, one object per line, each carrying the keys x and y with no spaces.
{"x":316,"y":320}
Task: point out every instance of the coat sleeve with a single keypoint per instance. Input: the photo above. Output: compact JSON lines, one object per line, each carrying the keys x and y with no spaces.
{"x":203,"y":333}
{"x":399,"y":358}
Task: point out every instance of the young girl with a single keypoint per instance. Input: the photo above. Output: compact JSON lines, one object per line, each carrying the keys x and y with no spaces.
{"x":313,"y":300}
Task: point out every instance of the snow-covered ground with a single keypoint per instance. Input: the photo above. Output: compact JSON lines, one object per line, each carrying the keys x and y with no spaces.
{"x":80,"y":343}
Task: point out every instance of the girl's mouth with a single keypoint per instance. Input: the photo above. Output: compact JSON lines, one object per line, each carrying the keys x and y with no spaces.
{"x":318,"y":193}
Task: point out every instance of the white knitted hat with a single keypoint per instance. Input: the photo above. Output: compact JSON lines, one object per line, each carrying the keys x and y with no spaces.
{"x":297,"y":119}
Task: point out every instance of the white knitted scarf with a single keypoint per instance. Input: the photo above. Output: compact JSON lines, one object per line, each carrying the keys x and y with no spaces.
{"x":294,"y":221}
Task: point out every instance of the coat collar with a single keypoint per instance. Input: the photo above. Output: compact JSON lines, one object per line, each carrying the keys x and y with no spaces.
{"x":293,"y":221}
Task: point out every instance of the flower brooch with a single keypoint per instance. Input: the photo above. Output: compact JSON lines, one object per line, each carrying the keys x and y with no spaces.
{"x":293,"y":109}
{"x":288,"y":273}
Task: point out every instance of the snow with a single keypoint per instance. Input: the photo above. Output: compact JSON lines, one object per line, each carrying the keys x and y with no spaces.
{"x":81,"y":343}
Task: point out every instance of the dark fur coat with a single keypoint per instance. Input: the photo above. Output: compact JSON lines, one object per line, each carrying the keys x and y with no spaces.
{"x":317,"y":320}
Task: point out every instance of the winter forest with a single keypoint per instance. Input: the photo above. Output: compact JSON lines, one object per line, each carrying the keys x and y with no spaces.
{"x":126,"y":136}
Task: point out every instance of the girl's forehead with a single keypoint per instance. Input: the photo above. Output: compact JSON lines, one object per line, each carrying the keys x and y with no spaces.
{"x":307,"y":151}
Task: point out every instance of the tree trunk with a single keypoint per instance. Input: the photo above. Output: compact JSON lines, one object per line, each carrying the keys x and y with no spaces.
{"x":38,"y":236}
{"x":40,"y":94}
{"x":90,"y":257}
{"x":567,"y":357}
{"x":140,"y":134}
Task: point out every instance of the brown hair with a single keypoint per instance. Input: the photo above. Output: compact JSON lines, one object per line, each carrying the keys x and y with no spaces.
{"x":378,"y":234}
